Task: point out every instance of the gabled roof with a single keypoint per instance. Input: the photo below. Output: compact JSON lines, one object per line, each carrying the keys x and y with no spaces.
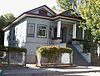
{"x":51,"y":15}
{"x":70,"y":13}
{"x":44,"y":7}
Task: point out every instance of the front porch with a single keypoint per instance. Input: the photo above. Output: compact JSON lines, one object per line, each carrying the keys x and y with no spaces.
{"x":65,"y":31}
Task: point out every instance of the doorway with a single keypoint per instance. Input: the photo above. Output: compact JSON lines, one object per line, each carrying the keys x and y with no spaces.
{"x":64,"y":34}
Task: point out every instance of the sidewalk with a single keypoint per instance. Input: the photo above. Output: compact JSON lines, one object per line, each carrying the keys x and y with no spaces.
{"x":36,"y":71}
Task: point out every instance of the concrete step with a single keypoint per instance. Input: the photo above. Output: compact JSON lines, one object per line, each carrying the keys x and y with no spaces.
{"x":77,"y":58}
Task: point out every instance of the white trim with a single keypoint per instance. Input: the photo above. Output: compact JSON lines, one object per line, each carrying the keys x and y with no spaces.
{"x":32,"y":29}
{"x":74,"y":31}
{"x":98,"y":50}
{"x":53,"y":17}
{"x":38,"y":29}
{"x":58,"y":28}
{"x":25,"y":15}
{"x":83,"y":32}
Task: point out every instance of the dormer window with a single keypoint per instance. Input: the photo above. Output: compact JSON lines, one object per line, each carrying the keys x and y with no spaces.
{"x":42,"y":12}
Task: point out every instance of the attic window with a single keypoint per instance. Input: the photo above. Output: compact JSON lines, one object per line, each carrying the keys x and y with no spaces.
{"x":42,"y":12}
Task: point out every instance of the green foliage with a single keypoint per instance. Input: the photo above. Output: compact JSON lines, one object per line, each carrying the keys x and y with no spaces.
{"x":2,"y":22}
{"x":12,"y":49}
{"x":6,"y":19}
{"x":89,"y":46}
{"x":16,"y":49}
{"x":66,"y":4}
{"x":86,"y":45}
{"x":2,"y":48}
{"x":53,"y":51}
{"x":90,"y":11}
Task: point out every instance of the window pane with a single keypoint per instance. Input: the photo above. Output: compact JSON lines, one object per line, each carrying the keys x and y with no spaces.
{"x":42,"y":12}
{"x":30,"y":30}
{"x":41,"y":32}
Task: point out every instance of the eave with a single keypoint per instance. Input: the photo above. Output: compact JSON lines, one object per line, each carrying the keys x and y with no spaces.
{"x":41,"y":17}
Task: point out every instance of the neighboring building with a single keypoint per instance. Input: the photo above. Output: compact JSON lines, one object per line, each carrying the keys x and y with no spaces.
{"x":41,"y":26}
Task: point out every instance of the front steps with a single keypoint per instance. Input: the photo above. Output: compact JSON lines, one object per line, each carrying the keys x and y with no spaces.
{"x":78,"y":59}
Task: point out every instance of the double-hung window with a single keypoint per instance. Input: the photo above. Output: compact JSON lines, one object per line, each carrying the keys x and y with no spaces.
{"x":30,"y":29}
{"x":41,"y":31}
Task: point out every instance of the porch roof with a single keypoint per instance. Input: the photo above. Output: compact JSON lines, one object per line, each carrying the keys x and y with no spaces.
{"x":70,"y":13}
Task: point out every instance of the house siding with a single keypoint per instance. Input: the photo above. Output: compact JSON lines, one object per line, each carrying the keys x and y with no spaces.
{"x":37,"y":21}
{"x":17,"y":35}
{"x":31,"y":51}
{"x":32,"y":43}
{"x":20,"y":32}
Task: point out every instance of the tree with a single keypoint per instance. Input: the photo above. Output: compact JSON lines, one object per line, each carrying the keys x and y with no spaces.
{"x":6,"y":19}
{"x":89,"y":11}
{"x":66,"y":4}
{"x":2,"y":21}
{"x":56,"y":9}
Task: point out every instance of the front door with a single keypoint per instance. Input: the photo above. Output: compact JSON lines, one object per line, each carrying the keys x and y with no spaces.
{"x":64,"y":34}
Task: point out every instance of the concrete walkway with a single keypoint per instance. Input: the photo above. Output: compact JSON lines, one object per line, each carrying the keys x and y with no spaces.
{"x":68,"y":71}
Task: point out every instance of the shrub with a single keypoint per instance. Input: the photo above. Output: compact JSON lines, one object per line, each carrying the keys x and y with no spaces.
{"x":53,"y":52}
{"x":2,"y":48}
{"x":16,"y":49}
{"x":12,"y":49}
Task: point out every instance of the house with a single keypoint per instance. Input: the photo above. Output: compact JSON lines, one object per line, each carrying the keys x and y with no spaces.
{"x":41,"y":26}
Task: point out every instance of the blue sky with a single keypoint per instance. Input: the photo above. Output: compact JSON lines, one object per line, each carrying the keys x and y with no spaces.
{"x":19,"y":6}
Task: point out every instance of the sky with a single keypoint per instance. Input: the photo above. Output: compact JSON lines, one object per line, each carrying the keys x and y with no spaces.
{"x":17,"y":7}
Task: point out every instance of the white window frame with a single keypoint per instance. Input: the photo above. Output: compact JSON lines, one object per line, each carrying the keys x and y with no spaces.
{"x":30,"y":30}
{"x":41,"y":29}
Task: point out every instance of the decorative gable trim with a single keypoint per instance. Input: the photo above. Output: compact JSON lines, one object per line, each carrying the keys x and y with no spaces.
{"x":52,"y":17}
{"x":36,"y":10}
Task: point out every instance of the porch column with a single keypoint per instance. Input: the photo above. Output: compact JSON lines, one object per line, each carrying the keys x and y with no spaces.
{"x":74,"y":31}
{"x":58,"y":28}
{"x":98,"y":49}
{"x":83,"y":32}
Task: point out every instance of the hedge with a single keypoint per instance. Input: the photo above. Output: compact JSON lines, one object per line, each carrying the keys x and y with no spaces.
{"x":52,"y":52}
{"x":12,"y":49}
